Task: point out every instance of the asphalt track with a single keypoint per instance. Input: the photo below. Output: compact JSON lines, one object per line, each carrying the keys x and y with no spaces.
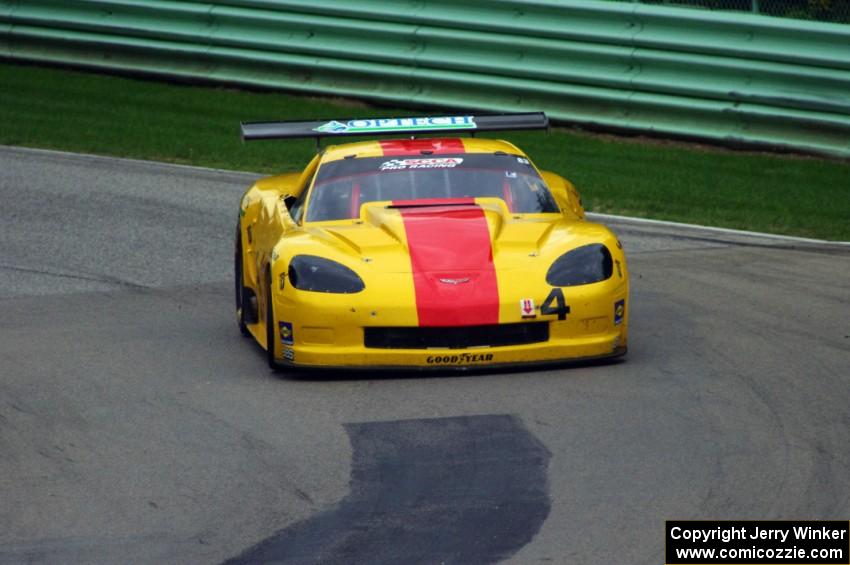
{"x":137,"y":426}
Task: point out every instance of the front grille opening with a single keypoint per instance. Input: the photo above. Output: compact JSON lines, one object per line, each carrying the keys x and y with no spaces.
{"x":456,"y":337}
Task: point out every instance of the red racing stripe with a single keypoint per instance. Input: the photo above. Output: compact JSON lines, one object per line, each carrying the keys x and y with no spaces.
{"x":354,"y":211}
{"x":394,"y":147}
{"x":452,"y":262}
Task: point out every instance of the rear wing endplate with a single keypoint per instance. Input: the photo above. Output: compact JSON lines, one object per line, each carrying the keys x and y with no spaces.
{"x":380,"y":126}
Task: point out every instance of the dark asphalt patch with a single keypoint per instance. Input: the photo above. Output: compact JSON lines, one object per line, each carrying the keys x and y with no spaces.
{"x":464,"y":490}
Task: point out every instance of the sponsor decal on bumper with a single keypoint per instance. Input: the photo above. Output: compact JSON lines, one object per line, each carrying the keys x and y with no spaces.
{"x":619,"y":311}
{"x":526,"y":308}
{"x":286,"y":335}
{"x":459,"y":359}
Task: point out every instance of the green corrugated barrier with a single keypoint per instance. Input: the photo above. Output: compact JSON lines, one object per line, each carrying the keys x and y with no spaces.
{"x":732,"y":78}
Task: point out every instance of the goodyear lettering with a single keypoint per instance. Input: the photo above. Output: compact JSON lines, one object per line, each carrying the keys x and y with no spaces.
{"x":459,"y":359}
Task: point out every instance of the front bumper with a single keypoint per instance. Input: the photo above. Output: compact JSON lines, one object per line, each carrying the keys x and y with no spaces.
{"x":557,"y":349}
{"x":472,"y":368}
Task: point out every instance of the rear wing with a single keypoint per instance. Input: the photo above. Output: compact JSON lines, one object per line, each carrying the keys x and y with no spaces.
{"x":380,"y":126}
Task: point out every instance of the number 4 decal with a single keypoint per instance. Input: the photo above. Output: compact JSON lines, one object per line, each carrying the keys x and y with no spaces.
{"x":561,"y":308}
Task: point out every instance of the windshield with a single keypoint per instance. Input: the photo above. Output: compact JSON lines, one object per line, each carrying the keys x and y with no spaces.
{"x":342,"y":186}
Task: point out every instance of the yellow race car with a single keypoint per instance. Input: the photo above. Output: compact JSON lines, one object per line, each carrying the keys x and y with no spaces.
{"x":409,"y":253}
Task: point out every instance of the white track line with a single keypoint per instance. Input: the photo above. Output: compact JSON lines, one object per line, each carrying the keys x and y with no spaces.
{"x":649,"y":222}
{"x":110,"y":159}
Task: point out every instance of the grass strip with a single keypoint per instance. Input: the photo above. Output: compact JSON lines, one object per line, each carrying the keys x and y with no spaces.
{"x":199,"y":125}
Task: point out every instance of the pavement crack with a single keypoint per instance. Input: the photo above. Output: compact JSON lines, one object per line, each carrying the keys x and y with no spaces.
{"x":92,"y":278}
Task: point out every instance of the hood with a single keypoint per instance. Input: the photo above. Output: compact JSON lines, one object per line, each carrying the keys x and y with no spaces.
{"x":458,"y":231}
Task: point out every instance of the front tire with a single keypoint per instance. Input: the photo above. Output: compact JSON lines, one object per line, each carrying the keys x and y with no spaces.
{"x":240,"y":284}
{"x":271,"y":334}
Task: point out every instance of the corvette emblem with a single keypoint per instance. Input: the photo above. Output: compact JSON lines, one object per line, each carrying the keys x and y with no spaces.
{"x":455,"y":281}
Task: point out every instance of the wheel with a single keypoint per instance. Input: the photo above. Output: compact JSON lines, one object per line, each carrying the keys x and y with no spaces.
{"x":240,"y":288}
{"x":271,"y":334}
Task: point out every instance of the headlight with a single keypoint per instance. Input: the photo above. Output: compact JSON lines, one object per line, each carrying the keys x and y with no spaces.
{"x":584,"y":265}
{"x":317,"y":274}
